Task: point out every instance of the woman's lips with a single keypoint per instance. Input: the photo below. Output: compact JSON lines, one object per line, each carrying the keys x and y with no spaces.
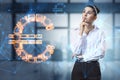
{"x":84,"y":19}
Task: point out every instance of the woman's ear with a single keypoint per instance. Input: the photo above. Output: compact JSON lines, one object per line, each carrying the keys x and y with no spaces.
{"x":95,"y":18}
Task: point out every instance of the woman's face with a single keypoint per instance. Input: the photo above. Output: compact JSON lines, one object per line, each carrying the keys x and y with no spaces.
{"x":88,"y":15}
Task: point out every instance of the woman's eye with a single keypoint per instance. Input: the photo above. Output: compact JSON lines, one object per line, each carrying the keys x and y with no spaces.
{"x":88,"y":13}
{"x":83,"y":11}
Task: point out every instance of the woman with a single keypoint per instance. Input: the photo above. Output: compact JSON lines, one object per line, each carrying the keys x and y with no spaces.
{"x":88,"y":46}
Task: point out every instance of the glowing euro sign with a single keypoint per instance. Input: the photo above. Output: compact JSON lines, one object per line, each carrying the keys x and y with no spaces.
{"x":18,"y":43}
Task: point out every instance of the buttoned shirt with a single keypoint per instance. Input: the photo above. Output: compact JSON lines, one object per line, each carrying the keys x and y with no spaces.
{"x":91,"y":46}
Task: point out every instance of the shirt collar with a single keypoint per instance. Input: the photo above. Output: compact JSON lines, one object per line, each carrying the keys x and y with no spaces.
{"x":95,"y":28}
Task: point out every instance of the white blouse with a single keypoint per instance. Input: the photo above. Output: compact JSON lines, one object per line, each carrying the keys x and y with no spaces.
{"x":91,"y":46}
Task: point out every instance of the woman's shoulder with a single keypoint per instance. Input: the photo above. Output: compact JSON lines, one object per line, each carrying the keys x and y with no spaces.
{"x":75,"y":31}
{"x":100,"y":31}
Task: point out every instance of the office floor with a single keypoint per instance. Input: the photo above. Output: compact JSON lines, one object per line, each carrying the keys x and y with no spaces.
{"x":19,"y":70}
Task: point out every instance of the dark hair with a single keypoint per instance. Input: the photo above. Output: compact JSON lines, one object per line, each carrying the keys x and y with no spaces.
{"x":95,"y":9}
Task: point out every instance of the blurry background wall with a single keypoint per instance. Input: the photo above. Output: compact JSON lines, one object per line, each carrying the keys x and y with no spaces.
{"x":65,"y":14}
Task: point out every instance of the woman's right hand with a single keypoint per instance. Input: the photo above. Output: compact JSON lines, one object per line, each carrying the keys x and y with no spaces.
{"x":82,"y":27}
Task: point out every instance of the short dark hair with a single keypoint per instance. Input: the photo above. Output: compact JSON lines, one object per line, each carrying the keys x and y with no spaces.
{"x":95,"y":9}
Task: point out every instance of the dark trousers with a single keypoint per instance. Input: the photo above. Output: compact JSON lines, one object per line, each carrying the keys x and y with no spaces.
{"x":86,"y":71}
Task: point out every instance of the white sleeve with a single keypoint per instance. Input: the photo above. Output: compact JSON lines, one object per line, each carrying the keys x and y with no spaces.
{"x":76,"y":41}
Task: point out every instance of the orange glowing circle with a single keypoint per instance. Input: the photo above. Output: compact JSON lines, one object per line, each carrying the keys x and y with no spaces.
{"x":18,"y":45}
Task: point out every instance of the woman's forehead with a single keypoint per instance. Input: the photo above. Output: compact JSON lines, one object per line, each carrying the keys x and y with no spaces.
{"x":88,"y":9}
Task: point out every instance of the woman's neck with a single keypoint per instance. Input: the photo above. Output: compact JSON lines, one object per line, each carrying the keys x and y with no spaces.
{"x":88,"y":28}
